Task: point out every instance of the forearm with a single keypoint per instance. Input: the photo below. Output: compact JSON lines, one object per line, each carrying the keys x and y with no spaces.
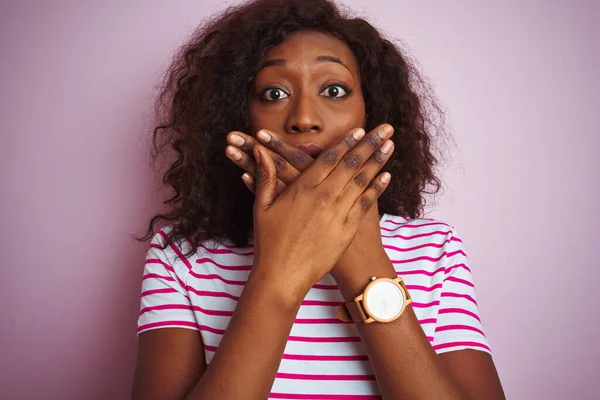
{"x":405,"y":364}
{"x":249,"y":354}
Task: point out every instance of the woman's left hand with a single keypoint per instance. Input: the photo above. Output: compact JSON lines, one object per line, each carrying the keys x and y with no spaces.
{"x":290,"y":162}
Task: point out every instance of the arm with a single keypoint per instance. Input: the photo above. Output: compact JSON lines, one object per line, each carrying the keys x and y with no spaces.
{"x":407,"y":366}
{"x":171,"y":361}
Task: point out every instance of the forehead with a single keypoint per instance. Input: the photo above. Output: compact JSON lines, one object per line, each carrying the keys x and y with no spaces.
{"x":305,"y":46}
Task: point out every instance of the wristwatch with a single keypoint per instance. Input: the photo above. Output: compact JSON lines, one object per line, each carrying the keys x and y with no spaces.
{"x":383,"y":300}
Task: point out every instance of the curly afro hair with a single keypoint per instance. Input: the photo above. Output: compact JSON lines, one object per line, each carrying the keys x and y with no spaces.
{"x":205,"y":94}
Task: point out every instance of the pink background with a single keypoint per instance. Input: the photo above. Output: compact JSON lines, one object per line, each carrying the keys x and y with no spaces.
{"x":521,"y":85}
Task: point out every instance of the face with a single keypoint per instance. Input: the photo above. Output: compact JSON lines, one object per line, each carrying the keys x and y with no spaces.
{"x":308,"y":91}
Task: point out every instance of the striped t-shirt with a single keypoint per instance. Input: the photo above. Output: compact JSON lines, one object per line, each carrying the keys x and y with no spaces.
{"x":324,"y":358}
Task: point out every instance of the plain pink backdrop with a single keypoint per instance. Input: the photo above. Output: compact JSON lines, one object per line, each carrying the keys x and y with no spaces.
{"x":77,"y":80}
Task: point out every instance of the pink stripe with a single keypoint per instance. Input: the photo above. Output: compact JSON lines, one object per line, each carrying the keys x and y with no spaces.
{"x":324,"y":396}
{"x":323,"y":339}
{"x":413,"y":226}
{"x":157,"y":276}
{"x":423,"y":288}
{"x":293,"y":338}
{"x":455,"y":239}
{"x":219,"y":313}
{"x":427,"y":321}
{"x":310,"y":357}
{"x":176,"y":250}
{"x":458,"y":280}
{"x":158,"y":291}
{"x":214,"y":276}
{"x":211,"y":294}
{"x":224,"y":251}
{"x":225,"y":267}
{"x":421,"y":246}
{"x":464,"y":296}
{"x":427,"y":258}
{"x":425,"y":305}
{"x":457,"y":266}
{"x":315,"y":377}
{"x":211,"y":329}
{"x":423,"y":272}
{"x":236,"y":298}
{"x":405,"y":224}
{"x":166,"y":323}
{"x":458,"y":311}
{"x":458,"y":328}
{"x":167,"y":267}
{"x":324,"y":358}
{"x":457,"y":344}
{"x":419,"y":235}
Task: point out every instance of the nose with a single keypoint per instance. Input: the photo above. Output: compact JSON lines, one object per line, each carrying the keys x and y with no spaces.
{"x":304,"y":116}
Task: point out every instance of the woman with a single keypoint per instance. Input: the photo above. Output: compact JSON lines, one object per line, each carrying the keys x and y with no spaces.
{"x":293,"y":292}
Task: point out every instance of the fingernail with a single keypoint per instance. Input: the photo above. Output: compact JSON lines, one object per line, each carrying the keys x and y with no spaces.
{"x":358,"y":134}
{"x":233,"y":153}
{"x":247,"y":178}
{"x":236,"y":140}
{"x":385,"y":131}
{"x":387,"y":146}
{"x":385,"y":178}
{"x":264,"y":136}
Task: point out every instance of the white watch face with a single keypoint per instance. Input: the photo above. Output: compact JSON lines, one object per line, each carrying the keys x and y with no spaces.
{"x":384,"y":300}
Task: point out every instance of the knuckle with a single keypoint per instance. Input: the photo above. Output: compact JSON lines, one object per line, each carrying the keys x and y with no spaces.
{"x":276,"y":143}
{"x":247,"y":147}
{"x":279,"y":163}
{"x":349,"y":142}
{"x":329,"y":157}
{"x":365,"y":203}
{"x":373,"y":141}
{"x":245,"y":163}
{"x":379,"y":157}
{"x":377,"y":187}
{"x":298,"y":157}
{"x":352,"y":160}
{"x":360,"y":179}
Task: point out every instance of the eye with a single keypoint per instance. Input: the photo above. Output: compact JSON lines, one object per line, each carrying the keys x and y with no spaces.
{"x":336,"y":91}
{"x":273,"y":94}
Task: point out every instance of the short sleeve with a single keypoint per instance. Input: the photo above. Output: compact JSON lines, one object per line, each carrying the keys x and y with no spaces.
{"x":458,"y":324}
{"x":164,"y":299}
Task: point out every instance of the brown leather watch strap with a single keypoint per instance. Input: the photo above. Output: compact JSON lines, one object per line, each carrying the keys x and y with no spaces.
{"x":351,"y":311}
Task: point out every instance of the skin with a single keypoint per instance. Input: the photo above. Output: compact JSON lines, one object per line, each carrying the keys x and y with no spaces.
{"x":335,"y":204}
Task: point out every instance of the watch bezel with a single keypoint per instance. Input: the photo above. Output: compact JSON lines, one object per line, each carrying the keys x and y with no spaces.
{"x":367,"y":310}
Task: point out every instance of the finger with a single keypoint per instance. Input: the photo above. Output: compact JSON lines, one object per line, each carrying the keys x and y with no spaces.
{"x":249,"y":182}
{"x":368,"y":198}
{"x":248,"y":164}
{"x":266,"y":179}
{"x":285,"y":171}
{"x":353,"y":161}
{"x":296,"y":157}
{"x":329,"y":159}
{"x":365,"y":176}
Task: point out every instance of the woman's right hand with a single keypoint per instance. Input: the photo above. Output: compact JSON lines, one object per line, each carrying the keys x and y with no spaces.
{"x":300,"y":235}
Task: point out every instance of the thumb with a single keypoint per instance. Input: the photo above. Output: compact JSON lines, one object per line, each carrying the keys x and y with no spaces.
{"x":266,"y":178}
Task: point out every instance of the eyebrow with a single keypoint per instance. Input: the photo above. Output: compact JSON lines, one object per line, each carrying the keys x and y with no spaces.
{"x":279,"y":62}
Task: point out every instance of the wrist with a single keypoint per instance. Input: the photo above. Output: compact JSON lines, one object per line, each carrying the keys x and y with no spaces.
{"x":352,"y":283}
{"x":282,"y":293}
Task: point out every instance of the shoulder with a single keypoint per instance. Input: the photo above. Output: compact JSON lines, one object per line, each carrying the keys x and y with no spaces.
{"x":415,"y":228}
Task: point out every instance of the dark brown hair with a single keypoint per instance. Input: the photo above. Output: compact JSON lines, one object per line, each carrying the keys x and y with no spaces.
{"x":205,"y":96}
